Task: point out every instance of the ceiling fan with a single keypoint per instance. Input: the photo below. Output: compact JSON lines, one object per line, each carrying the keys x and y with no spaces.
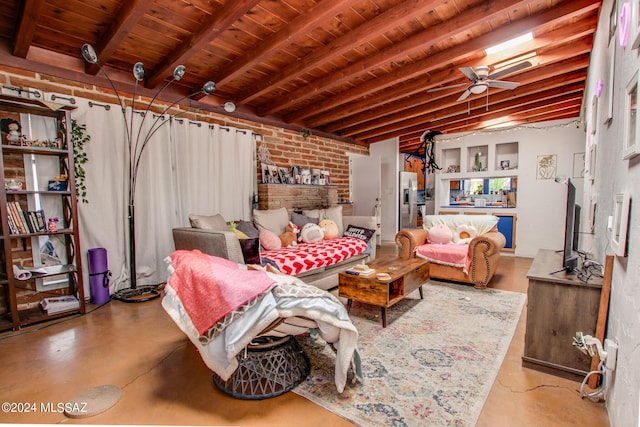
{"x":481,"y":80}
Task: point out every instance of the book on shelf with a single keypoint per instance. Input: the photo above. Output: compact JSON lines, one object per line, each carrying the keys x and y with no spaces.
{"x":25,"y":222}
{"x":55,"y":305}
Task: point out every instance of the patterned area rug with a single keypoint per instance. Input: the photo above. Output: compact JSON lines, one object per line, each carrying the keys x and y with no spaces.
{"x":433,"y":365}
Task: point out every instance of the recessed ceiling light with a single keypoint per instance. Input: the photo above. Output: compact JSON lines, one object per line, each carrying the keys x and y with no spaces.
{"x":509,"y":43}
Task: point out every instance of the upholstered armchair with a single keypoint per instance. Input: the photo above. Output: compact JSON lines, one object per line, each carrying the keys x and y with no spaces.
{"x":478,"y":248}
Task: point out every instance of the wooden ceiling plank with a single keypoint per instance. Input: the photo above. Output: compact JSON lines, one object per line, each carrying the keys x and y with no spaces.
{"x":383,"y":103}
{"x":219,"y":21}
{"x":395,"y":52}
{"x":419,"y":68}
{"x":293,"y":32}
{"x":413,"y":107}
{"x":360,"y":111}
{"x":29,"y":16}
{"x":554,"y":85}
{"x":364,"y":33}
{"x":128,"y":16}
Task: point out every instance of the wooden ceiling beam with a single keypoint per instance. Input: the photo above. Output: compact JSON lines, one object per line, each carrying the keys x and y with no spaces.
{"x":570,"y":45}
{"x":292,"y":33}
{"x":373,"y":28}
{"x":129,"y":14}
{"x":397,"y":51}
{"x":555,"y":87}
{"x":556,"y":15}
{"x":419,"y":106}
{"x":569,"y":110}
{"x":29,"y":16}
{"x":218,"y":22}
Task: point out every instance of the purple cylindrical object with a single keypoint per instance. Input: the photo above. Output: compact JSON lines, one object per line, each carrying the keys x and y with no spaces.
{"x":98,"y":275}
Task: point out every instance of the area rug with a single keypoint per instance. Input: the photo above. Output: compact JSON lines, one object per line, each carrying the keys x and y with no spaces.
{"x":433,"y":365}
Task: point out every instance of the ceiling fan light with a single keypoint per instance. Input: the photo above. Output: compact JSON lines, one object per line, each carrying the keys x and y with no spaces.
{"x":89,"y":54}
{"x":478,"y":88}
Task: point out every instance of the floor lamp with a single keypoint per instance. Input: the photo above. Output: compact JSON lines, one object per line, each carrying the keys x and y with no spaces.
{"x":136,"y":147}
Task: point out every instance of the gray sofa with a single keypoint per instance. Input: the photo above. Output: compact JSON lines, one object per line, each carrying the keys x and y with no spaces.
{"x":226,"y":244}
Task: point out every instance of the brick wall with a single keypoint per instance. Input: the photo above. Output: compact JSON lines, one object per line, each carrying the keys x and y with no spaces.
{"x":286,"y":147}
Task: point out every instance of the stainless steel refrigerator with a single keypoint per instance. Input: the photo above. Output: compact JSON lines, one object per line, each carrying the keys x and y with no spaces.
{"x":408,"y":200}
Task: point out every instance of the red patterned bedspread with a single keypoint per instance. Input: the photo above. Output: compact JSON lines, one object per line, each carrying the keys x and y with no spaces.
{"x":308,"y":256}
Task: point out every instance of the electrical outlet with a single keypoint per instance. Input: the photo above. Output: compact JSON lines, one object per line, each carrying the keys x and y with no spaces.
{"x":611,"y":347}
{"x":610,"y":223}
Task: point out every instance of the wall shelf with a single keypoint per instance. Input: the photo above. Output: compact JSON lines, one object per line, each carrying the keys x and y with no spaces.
{"x":26,"y":237}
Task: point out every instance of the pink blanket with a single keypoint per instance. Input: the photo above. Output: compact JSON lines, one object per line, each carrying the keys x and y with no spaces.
{"x":449,"y":254}
{"x":212,"y":287}
{"x":308,"y":256}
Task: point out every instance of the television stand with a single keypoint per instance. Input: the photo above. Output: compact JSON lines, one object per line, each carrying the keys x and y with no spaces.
{"x":557,"y":307}
{"x":567,"y":270}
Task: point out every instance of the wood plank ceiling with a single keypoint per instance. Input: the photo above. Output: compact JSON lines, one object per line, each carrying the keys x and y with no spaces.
{"x":362,"y":70}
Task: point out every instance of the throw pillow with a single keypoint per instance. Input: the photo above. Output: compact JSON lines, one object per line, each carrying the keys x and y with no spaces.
{"x":213,"y":222}
{"x":251,"y":250}
{"x":240,"y":234}
{"x":275,"y":220}
{"x":333,"y":213}
{"x":311,"y":233}
{"x":330,"y":229}
{"x":464,"y":234}
{"x":302,"y":220}
{"x":440,"y":234}
{"x":248,"y":228}
{"x":359,"y":233}
{"x":270,"y":240}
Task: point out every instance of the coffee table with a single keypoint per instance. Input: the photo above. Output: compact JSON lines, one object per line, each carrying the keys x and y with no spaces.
{"x":405,"y":276}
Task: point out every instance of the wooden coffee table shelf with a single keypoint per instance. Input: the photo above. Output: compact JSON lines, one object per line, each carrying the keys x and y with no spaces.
{"x":407,"y":275}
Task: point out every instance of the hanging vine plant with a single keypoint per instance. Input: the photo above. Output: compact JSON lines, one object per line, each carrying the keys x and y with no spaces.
{"x":79,"y":138}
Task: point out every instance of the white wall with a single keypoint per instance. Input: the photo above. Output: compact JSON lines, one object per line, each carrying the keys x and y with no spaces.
{"x":388,"y":151}
{"x":614,"y":174}
{"x":541,"y":203}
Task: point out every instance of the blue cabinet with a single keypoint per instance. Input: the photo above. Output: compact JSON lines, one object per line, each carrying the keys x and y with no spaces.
{"x":507,"y":226}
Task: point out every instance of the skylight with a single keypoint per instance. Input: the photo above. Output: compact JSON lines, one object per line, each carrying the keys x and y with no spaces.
{"x":509,"y":43}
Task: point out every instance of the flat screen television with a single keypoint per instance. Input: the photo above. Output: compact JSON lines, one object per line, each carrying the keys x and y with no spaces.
{"x":571,"y":230}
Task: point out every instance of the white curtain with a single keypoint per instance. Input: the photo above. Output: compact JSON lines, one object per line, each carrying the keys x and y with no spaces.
{"x":103,"y":219}
{"x":186,"y":168}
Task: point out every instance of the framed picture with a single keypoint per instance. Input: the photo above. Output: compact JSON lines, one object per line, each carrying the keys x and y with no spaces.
{"x":634,"y":28}
{"x":613,"y":20}
{"x":504,"y":164}
{"x":593,"y":151}
{"x":578,"y":165}
{"x":608,"y":112}
{"x":547,"y":166}
{"x":594,"y":115}
{"x":619,"y":229}
{"x":631,"y":130}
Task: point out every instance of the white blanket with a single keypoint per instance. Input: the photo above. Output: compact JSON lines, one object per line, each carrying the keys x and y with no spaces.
{"x":289,"y":298}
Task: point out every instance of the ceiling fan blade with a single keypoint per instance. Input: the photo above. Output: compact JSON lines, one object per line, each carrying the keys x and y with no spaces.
{"x":470,"y":73}
{"x":436,"y":89}
{"x":464,"y":95}
{"x":502,"y":84}
{"x":512,"y":69}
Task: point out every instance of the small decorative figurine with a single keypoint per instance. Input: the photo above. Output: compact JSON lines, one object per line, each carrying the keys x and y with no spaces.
{"x":53,"y":224}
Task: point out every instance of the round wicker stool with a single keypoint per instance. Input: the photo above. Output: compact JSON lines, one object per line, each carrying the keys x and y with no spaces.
{"x":270,"y":367}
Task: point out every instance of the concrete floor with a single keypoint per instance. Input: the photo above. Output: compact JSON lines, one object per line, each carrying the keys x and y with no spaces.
{"x":138,"y":348}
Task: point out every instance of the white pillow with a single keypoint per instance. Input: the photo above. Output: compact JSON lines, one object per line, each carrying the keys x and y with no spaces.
{"x":464,"y":234}
{"x":275,"y":220}
{"x":333,"y":213}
